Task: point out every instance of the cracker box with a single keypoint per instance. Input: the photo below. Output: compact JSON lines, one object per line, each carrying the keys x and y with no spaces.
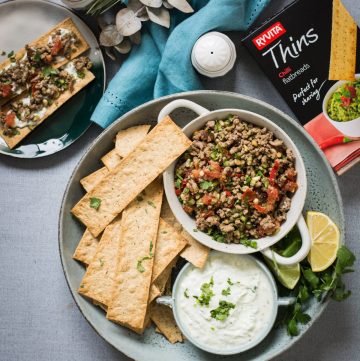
{"x":311,"y":52}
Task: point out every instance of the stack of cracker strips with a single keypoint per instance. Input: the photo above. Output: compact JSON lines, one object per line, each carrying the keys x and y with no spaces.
{"x":132,"y":240}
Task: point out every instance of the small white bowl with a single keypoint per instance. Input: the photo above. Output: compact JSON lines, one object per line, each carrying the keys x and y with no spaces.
{"x":171,"y":301}
{"x":350,"y":128}
{"x":294,"y":215}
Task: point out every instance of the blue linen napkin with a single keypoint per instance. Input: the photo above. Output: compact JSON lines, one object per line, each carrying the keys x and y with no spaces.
{"x":161,"y":64}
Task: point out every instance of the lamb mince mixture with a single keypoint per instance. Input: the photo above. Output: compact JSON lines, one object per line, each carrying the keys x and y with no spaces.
{"x":237,"y":180}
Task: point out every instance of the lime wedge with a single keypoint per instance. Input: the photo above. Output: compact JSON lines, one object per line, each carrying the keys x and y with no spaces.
{"x":288,"y":276}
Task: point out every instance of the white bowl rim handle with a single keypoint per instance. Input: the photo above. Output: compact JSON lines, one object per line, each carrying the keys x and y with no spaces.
{"x":181,"y":103}
{"x":302,"y":252}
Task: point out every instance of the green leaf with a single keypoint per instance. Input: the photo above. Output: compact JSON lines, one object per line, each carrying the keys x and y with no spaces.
{"x":310,"y":277}
{"x":95,"y":203}
{"x":345,"y":259}
{"x":139,"y":266}
{"x":303,"y":293}
{"x":186,"y":293}
{"x":80,"y":74}
{"x":178,"y":183}
{"x":206,"y":185}
{"x":226,"y":291}
{"x":229,"y":282}
{"x":10,"y":54}
{"x":303,"y":318}
{"x":222,"y":311}
{"x":292,"y":328}
{"x":48,"y":71}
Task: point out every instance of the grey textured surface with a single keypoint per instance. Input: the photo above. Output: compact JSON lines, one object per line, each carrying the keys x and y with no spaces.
{"x":39,"y":319}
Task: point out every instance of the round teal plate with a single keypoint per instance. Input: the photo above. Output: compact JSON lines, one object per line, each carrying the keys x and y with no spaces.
{"x":323,"y":195}
{"x":22,"y":21}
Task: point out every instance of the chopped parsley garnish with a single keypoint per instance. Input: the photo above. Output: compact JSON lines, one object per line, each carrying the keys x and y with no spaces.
{"x":226,"y":291}
{"x":80,"y":74}
{"x":95,"y":203}
{"x":11,"y":54}
{"x":36,"y":57}
{"x":186,"y":293}
{"x":150,"y":203}
{"x":207,"y":293}
{"x":248,"y":243}
{"x":230,"y":282}
{"x":222,"y":312}
{"x":48,"y":71}
{"x":212,"y":328}
{"x":139,"y":265}
{"x":206,"y":185}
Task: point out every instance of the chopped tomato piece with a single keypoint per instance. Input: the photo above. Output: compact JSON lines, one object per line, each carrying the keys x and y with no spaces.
{"x":273,"y":172}
{"x":290,"y":186}
{"x":238,"y":175}
{"x":214,"y":172}
{"x":290,"y":173}
{"x":196,"y":173}
{"x":260,"y":208}
{"x":177,"y":191}
{"x":10,"y":119}
{"x":5,"y":90}
{"x":228,"y":193}
{"x":352,"y":91}
{"x":57,"y":46}
{"x":249,"y":195}
{"x":183,"y":183}
{"x":48,"y":58}
{"x":188,"y":209}
{"x":208,"y":214}
{"x":345,"y":101}
{"x":207,"y":199}
{"x":273,"y":195}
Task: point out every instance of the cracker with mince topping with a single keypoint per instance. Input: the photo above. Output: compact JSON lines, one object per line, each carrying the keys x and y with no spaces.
{"x":164,"y":144}
{"x":55,"y":48}
{"x":139,"y":226}
{"x":15,"y":125}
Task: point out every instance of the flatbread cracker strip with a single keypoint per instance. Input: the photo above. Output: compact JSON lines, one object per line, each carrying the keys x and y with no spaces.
{"x":111,"y":159}
{"x":63,"y":98}
{"x":343,"y":44}
{"x":196,"y":253}
{"x":90,"y":181}
{"x":97,"y":282}
{"x":140,"y":220}
{"x":164,"y":320}
{"x":168,"y":216}
{"x":43,"y":40}
{"x":127,"y":139}
{"x":151,"y":157}
{"x":158,"y":287}
{"x":168,"y":245}
{"x":86,"y":249}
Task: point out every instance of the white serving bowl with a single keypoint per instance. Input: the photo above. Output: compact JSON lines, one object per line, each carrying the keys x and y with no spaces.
{"x":171,"y":301}
{"x":294,"y":215}
{"x":350,"y":128}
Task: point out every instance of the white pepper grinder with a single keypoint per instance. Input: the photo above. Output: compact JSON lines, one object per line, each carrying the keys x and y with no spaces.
{"x":213,"y":54}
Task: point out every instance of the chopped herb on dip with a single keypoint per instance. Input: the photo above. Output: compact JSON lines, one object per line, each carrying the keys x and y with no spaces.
{"x":222,"y":312}
{"x":225,"y":306}
{"x":95,"y":203}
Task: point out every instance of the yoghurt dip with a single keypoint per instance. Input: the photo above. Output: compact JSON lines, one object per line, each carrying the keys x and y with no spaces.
{"x":227,"y":304}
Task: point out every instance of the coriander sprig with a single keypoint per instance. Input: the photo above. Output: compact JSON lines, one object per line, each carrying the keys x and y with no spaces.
{"x":320,"y":285}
